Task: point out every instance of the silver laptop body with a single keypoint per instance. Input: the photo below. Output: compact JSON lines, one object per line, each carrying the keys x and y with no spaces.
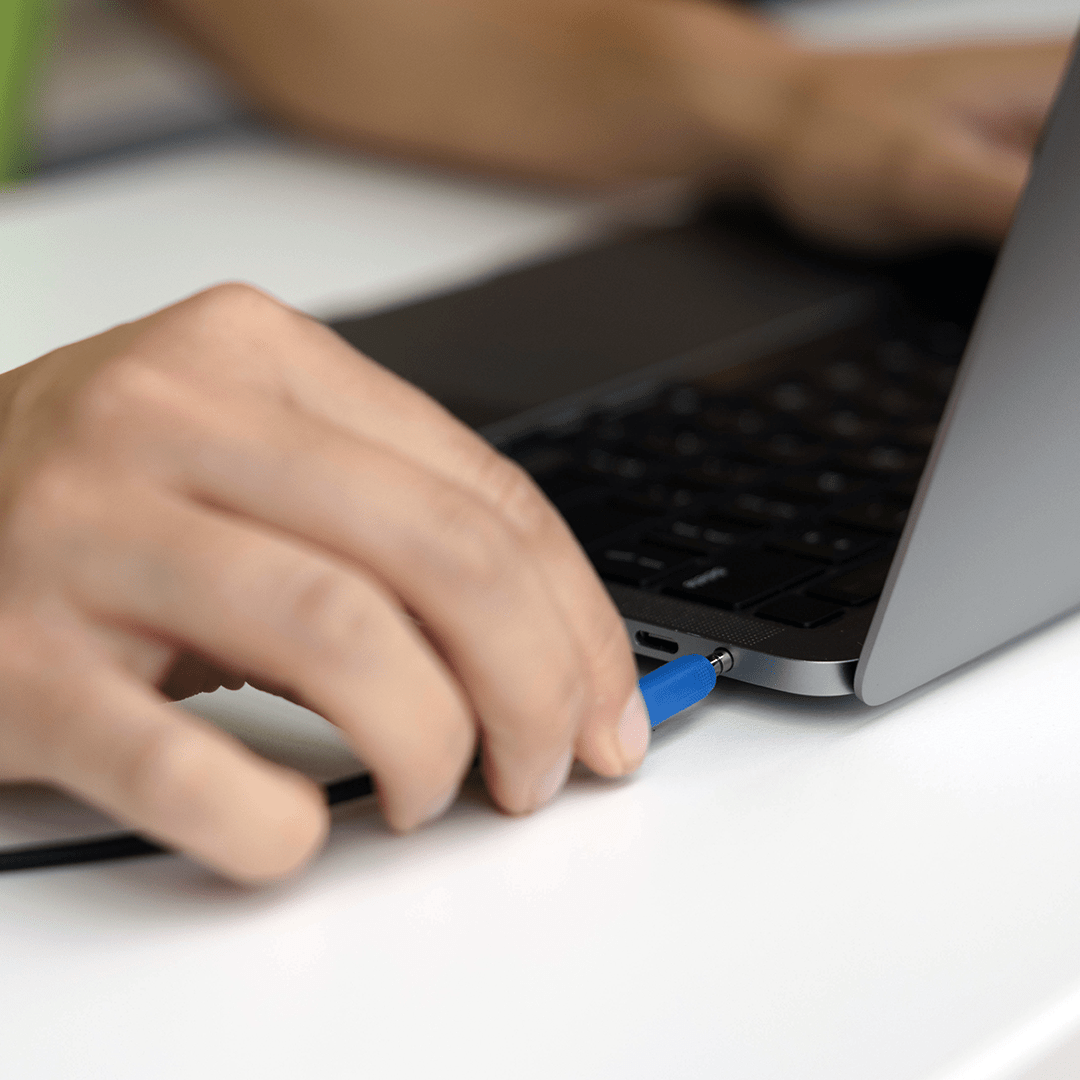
{"x":542,"y":357}
{"x":992,"y":545}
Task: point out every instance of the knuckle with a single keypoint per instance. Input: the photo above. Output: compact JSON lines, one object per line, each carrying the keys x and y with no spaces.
{"x":240,"y":324}
{"x":127,"y":389}
{"x":472,"y":546}
{"x":229,"y":300}
{"x":328,"y":615}
{"x":517,"y":497}
{"x":157,"y":770}
{"x":224,"y":312}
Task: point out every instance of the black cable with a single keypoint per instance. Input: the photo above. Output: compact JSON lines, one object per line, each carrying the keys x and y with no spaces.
{"x":133,"y":846}
{"x":669,"y":689}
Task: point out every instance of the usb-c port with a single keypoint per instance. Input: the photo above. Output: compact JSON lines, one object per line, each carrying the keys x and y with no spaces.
{"x":660,"y":644}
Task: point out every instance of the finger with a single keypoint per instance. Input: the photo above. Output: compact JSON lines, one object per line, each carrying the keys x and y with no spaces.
{"x":613,"y":735}
{"x":95,"y":732}
{"x":454,"y":564}
{"x":334,"y":383}
{"x":375,"y":405}
{"x":256,"y":602}
{"x":963,"y":186}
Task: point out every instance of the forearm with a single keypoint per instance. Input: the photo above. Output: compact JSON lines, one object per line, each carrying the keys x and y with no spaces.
{"x":593,"y":91}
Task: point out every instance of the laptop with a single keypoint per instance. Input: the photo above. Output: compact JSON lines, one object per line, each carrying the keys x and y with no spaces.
{"x":850,"y":483}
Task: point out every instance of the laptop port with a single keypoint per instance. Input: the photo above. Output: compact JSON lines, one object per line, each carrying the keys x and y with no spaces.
{"x":660,"y":644}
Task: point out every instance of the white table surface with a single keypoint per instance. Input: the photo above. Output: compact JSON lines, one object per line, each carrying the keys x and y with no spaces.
{"x":909,"y":22}
{"x":789,"y":889}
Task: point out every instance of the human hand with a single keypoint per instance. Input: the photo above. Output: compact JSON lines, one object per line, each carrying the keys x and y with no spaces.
{"x":226,"y":490}
{"x":872,"y":149}
{"x":892,"y":149}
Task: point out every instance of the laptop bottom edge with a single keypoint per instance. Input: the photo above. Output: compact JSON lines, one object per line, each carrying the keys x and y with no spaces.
{"x":814,"y":663}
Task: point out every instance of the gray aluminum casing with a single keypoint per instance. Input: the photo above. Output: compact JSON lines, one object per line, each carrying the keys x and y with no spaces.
{"x":992,"y":546}
{"x":989,"y":551}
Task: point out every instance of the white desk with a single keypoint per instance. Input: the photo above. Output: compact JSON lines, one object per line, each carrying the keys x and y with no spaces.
{"x":789,"y":890}
{"x":907,"y":22}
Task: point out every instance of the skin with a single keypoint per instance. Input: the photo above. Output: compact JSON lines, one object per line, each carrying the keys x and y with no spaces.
{"x":867,"y":149}
{"x":226,"y":491}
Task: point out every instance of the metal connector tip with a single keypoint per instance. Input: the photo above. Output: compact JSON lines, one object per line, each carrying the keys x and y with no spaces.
{"x":721,"y":660}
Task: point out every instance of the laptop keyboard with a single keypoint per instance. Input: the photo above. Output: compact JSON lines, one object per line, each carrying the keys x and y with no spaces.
{"x":781,"y":498}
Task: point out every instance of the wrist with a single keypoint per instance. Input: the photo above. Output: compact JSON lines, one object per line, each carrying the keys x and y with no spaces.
{"x":737,"y":77}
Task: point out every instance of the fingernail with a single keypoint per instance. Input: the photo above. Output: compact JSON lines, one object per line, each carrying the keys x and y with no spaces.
{"x":634,"y":731}
{"x":549,"y":784}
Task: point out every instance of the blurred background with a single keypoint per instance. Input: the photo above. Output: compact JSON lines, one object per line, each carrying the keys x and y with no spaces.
{"x":116,"y":79}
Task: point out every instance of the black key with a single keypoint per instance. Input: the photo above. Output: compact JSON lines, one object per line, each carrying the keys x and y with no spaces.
{"x":767,"y":508}
{"x":899,"y":358}
{"x":680,"y":543}
{"x":829,"y":545}
{"x":902,"y":403}
{"x":743,"y":579}
{"x":723,"y":532}
{"x":677,"y":443}
{"x":878,"y":515}
{"x":608,"y":431}
{"x":740,"y":419}
{"x":675,"y":492}
{"x":857,"y":586}
{"x":718,"y":475}
{"x":706,"y":534}
{"x":596,"y":520}
{"x":614,"y":463}
{"x":792,"y":396}
{"x":824,"y":484}
{"x":851,"y":425}
{"x":605,"y":431}
{"x":884,"y":460}
{"x":659,"y":498}
{"x":637,"y":564}
{"x":802,"y":611}
{"x":843,"y":376}
{"x":568,"y":484}
{"x":788,"y":448}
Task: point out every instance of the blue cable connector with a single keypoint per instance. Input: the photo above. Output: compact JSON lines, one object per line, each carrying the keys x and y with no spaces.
{"x":682,"y":683}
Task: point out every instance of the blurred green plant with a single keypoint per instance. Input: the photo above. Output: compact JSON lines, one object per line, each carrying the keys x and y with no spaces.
{"x":24,"y":31}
